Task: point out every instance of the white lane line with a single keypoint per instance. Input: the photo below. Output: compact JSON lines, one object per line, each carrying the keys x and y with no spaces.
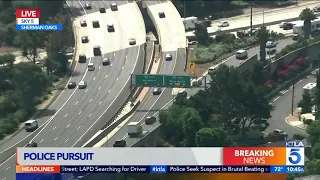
{"x":4,"y":178}
{"x":117,"y":79}
{"x":99,"y":88}
{"x":99,"y":67}
{"x":90,"y":100}
{"x":8,"y":168}
{"x":114,"y":54}
{"x":111,"y":102}
{"x":111,"y":64}
{"x":86,"y":90}
{"x":79,"y":112}
{"x":66,"y":140}
{"x":76,"y":103}
{"x":41,"y":140}
{"x":55,"y":139}
{"x":54,"y":128}
{"x":122,"y":68}
{"x":90,"y":115}
{"x":126,"y":57}
{"x":109,"y":90}
{"x":100,"y":103}
{"x":106,"y":76}
{"x":94,"y":78}
{"x":66,"y":115}
{"x":79,"y":127}
{"x":68,"y":125}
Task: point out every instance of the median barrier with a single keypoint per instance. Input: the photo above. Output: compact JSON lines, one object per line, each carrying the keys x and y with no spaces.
{"x":111,"y":127}
{"x":4,"y":155}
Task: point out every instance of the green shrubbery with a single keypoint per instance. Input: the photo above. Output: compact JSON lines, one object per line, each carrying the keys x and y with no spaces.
{"x":295,"y":46}
{"x":224,"y":44}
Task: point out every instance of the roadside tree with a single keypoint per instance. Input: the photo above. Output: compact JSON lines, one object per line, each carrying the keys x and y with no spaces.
{"x":307,"y":16}
{"x":263,"y":36}
{"x":212,"y":137}
{"x":306,"y":102}
{"x":201,"y":34}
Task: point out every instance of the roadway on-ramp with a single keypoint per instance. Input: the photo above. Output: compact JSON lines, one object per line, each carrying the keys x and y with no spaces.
{"x":108,"y":86}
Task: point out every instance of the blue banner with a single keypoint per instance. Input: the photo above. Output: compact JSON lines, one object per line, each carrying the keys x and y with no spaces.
{"x":39,"y":27}
{"x":287,"y":169}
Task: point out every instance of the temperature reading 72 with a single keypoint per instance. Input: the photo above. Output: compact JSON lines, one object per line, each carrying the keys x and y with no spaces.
{"x":278,"y":169}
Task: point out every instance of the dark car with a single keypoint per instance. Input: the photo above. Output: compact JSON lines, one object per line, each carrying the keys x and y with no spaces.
{"x":95,"y":24}
{"x":32,"y":144}
{"x":102,"y":10}
{"x":114,"y":7}
{"x":72,"y":85}
{"x":97,"y":50}
{"x":82,"y":58}
{"x":287,"y":26}
{"x":106,"y":61}
{"x":162,"y":15}
{"x":87,"y":6}
{"x":120,"y":143}
{"x":150,"y":120}
{"x":83,"y":23}
{"x":84,"y":39}
{"x":156,"y":91}
{"x":110,"y":28}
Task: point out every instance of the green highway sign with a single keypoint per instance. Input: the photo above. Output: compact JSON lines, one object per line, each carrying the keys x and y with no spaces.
{"x":158,"y":80}
{"x":149,"y":80}
{"x":177,"y":81}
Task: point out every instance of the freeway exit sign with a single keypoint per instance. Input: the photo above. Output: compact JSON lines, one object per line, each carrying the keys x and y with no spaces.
{"x":157,"y":80}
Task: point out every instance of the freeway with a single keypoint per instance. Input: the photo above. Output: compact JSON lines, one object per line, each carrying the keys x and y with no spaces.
{"x":173,"y":42}
{"x":74,"y":121}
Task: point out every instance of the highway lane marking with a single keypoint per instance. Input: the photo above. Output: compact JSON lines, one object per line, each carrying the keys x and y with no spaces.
{"x":76,"y":103}
{"x":109,"y":90}
{"x":114,"y":54}
{"x":79,"y":112}
{"x":112,"y":100}
{"x":41,"y":140}
{"x":8,"y":168}
{"x":100,"y":103}
{"x":111,"y":64}
{"x":94,"y":78}
{"x":55,"y":139}
{"x":99,"y":67}
{"x":122,"y":68}
{"x":126,"y":56}
{"x":50,"y":119}
{"x":99,"y":88}
{"x":68,"y":125}
{"x":4,"y":178}
{"x":175,"y":62}
{"x":86,"y":90}
{"x":79,"y":127}
{"x":90,"y":100}
{"x":106,"y":76}
{"x":84,"y":10}
{"x":66,"y":140}
{"x":90,"y":114}
{"x":66,"y":115}
{"x":117,"y":79}
{"x":54,"y":128}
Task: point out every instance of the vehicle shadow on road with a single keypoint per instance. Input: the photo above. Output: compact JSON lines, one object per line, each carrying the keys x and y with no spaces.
{"x":46,"y":113}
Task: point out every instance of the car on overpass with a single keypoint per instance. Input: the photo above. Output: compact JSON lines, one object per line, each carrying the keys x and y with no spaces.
{"x":83,"y":23}
{"x":114,"y":7}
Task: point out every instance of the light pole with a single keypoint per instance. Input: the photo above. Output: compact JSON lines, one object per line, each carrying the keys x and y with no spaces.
{"x":251,"y":5}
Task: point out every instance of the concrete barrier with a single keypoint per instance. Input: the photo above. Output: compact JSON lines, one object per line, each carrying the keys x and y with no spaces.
{"x":4,"y":155}
{"x":112,"y":126}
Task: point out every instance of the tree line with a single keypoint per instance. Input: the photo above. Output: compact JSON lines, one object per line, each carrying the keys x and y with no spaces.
{"x":25,"y":85}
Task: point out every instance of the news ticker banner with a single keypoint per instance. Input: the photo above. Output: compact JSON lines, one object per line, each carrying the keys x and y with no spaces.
{"x":28,"y":19}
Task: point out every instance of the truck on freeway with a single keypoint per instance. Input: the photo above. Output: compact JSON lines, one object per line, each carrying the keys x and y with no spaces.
{"x":134,"y":129}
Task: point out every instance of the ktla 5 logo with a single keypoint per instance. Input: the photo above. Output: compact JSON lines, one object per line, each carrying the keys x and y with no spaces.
{"x":295,"y":156}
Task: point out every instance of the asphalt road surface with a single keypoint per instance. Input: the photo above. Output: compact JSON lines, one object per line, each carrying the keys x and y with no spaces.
{"x":233,"y":61}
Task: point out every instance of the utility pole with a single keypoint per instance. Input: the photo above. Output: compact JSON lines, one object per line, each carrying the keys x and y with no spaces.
{"x":292,"y":101}
{"x":251,"y":18}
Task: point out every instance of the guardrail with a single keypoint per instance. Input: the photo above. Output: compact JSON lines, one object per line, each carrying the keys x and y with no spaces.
{"x":4,"y":155}
{"x":111,"y":127}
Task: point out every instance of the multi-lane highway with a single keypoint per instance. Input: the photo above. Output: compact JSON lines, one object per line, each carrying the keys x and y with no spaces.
{"x":173,"y":42}
{"x":78,"y":113}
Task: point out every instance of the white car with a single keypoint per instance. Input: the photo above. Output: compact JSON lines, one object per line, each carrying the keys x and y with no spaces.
{"x":132,"y":41}
{"x":82,"y":85}
{"x":271,"y":44}
{"x":223,"y":24}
